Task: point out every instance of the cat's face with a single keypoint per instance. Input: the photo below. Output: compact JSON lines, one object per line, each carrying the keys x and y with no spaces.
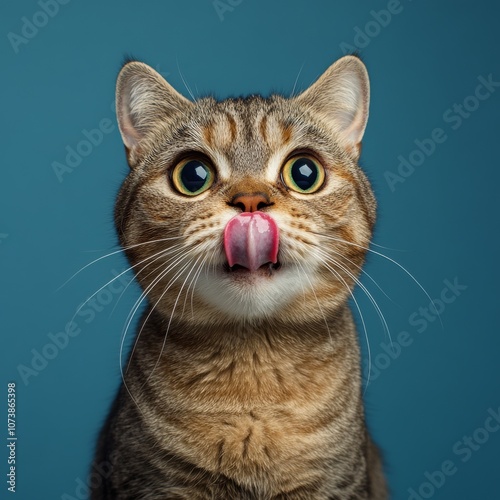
{"x":246,"y":208}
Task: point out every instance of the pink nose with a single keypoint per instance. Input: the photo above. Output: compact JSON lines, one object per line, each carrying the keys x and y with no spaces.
{"x":251,"y":239}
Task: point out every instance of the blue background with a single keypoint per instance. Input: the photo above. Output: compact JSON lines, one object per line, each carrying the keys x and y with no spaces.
{"x":441,"y":223}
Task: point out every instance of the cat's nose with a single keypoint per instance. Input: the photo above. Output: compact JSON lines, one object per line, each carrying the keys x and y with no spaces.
{"x":250,"y":202}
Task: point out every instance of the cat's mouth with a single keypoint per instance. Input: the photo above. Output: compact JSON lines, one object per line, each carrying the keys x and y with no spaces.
{"x":268,"y":269}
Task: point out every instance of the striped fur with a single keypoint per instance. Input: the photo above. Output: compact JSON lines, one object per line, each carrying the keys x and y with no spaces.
{"x":242,"y":386}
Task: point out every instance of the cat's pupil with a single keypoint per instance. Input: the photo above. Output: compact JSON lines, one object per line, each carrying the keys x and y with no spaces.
{"x":194,"y":175}
{"x":304,"y":173}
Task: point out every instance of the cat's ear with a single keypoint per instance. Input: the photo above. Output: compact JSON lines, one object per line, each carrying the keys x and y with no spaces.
{"x":143,"y":98}
{"x":341,"y":96}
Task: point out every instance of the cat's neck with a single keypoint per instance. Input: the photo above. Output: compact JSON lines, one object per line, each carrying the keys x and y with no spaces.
{"x":240,"y":339}
{"x":251,"y":364}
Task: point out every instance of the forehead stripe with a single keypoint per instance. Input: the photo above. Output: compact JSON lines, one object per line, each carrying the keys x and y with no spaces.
{"x":263,"y":128}
{"x":208,"y":135}
{"x":232,"y":126}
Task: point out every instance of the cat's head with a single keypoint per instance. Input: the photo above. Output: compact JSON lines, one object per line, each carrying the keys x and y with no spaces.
{"x":247,"y":208}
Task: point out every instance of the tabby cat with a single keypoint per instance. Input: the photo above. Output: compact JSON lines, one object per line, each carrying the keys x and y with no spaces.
{"x":246,"y":222}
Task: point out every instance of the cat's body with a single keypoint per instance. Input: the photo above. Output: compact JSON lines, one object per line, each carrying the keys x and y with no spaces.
{"x":247,"y":223}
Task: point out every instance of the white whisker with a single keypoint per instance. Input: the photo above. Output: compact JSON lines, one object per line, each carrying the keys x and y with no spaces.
{"x":317,"y":301}
{"x":132,"y":353}
{"x":141,"y":298}
{"x":184,"y":81}
{"x":365,"y":290}
{"x":171,"y":317}
{"x":162,"y":254}
{"x":362,"y":322}
{"x":301,"y":284}
{"x":361,"y":270}
{"x":114,"y":253}
{"x":195,"y":281}
{"x":113,"y":279}
{"x":390,"y":260}
{"x":359,"y":311}
{"x":296,"y":80}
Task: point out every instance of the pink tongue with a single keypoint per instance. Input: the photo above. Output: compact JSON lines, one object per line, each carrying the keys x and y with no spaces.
{"x":251,"y":240}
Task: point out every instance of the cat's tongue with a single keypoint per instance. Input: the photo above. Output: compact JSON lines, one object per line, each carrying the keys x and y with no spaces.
{"x":251,"y":240}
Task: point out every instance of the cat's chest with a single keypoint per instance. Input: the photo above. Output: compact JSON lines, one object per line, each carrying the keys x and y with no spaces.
{"x":255,"y":416}
{"x":276,"y":447}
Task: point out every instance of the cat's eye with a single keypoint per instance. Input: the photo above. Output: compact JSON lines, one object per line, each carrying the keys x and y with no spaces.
{"x":192,"y":177}
{"x":303,"y":173}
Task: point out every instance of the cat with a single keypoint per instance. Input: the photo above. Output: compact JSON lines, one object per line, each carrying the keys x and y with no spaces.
{"x":246,"y":222}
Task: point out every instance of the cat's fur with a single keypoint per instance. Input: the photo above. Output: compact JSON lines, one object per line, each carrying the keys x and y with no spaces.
{"x":255,"y":391}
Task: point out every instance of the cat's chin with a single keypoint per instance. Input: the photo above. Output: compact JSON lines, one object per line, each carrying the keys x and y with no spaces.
{"x":239,"y":293}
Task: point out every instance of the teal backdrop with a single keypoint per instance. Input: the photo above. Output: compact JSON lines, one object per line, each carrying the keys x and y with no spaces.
{"x":430,"y":150}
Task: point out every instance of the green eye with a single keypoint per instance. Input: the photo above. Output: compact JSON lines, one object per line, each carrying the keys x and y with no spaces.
{"x":303,"y":174}
{"x":192,"y":177}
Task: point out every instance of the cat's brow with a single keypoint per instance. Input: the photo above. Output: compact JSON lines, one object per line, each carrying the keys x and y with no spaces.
{"x":219,"y":134}
{"x":278,"y":136}
{"x":273,"y":131}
